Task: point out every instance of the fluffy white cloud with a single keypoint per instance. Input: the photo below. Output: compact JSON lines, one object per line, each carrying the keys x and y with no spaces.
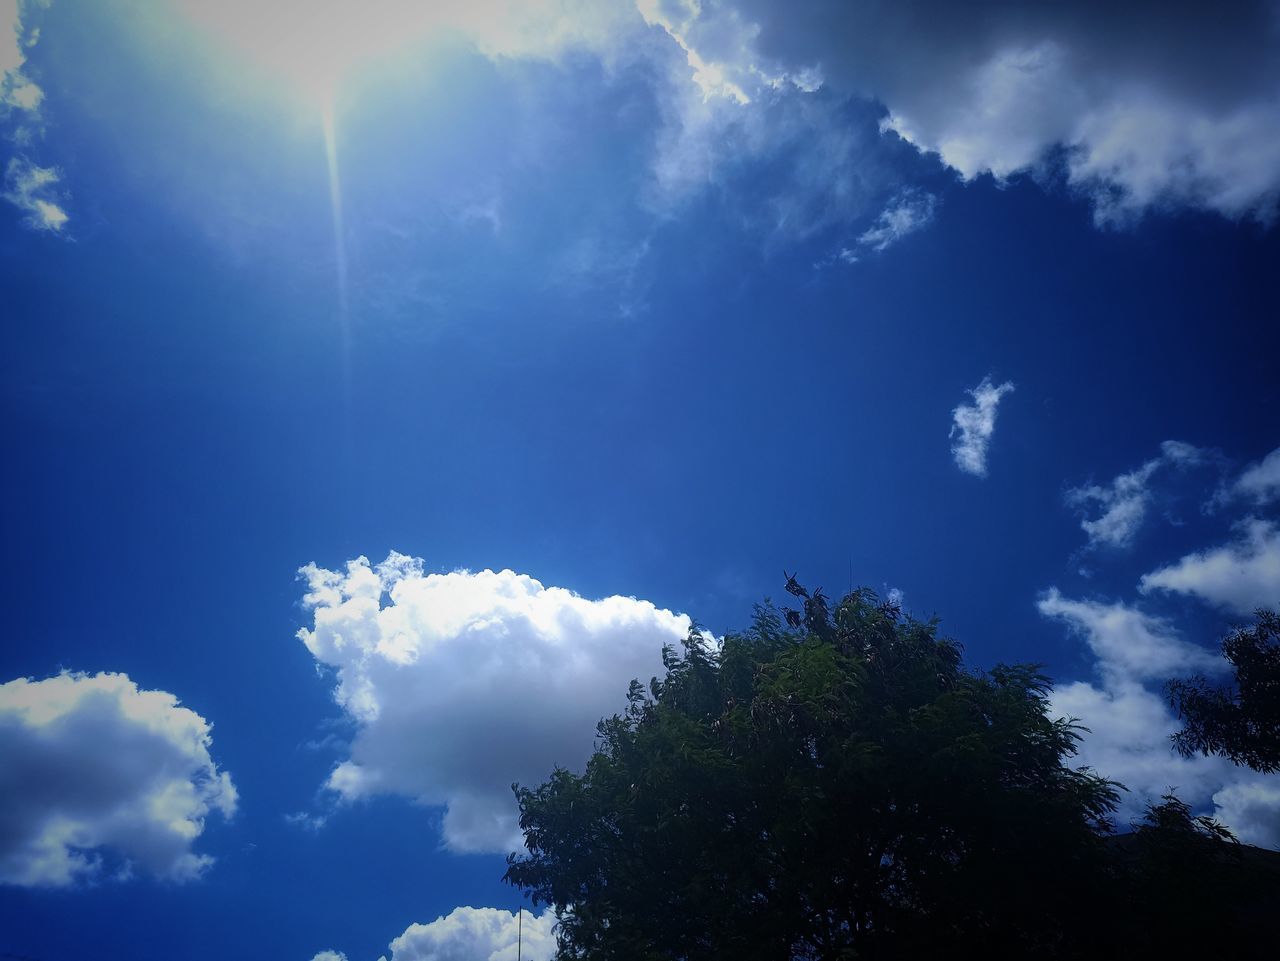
{"x":972,"y":427}
{"x":1128,"y":644}
{"x":462,"y":683}
{"x":1252,"y":808}
{"x":478,"y":934}
{"x":1124,"y":502}
{"x":1128,"y":740}
{"x":330,"y":956}
{"x":1152,"y":104}
{"x":93,"y":763}
{"x":1242,"y":575}
{"x":1130,"y":725}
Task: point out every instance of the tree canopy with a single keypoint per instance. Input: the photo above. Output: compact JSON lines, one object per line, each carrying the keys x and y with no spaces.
{"x":835,"y":784}
{"x":1241,"y":722}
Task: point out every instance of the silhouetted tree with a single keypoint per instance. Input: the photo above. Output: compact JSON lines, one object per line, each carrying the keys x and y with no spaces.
{"x":1240,"y":722}
{"x":838,"y":788}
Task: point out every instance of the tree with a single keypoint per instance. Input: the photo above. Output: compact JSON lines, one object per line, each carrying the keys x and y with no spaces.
{"x":825,"y":785}
{"x":1241,"y":722}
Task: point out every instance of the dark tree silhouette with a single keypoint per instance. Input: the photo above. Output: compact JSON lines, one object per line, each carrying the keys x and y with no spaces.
{"x":1240,"y":722}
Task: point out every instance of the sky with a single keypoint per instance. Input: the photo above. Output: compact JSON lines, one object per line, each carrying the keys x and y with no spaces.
{"x":384,"y":384}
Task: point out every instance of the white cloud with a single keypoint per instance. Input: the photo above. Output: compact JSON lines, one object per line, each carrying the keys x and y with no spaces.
{"x":462,"y":683}
{"x":1130,"y":725}
{"x":975,"y":423}
{"x":1154,"y":105}
{"x":1127,"y":643}
{"x":478,"y":934}
{"x":1260,"y":482}
{"x":1128,"y":740}
{"x":908,"y":212}
{"x":1252,"y":808}
{"x":91,"y":764}
{"x":17,"y":91}
{"x":34,"y":191}
{"x":1125,"y":501}
{"x":1240,"y":576}
{"x":330,"y":956}
{"x":29,"y":187}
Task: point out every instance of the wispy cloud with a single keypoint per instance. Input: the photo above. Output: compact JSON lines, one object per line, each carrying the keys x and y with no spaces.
{"x":1124,"y":502}
{"x":35,"y":191}
{"x":908,"y":212}
{"x":31,"y":188}
{"x":973,"y":426}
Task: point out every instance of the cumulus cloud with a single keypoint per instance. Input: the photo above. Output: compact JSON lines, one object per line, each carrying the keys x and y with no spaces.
{"x":330,"y":956}
{"x":1124,"y":502}
{"x":1130,"y":725}
{"x":461,"y":683}
{"x":974,"y":424}
{"x":478,"y":934}
{"x":1151,"y":105}
{"x":92,"y":765}
{"x":1241,"y":576}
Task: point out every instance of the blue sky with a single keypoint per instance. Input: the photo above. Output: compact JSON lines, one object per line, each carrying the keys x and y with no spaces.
{"x":635,"y":306}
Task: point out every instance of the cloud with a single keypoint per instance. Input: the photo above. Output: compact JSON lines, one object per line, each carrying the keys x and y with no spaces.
{"x":1260,"y":482}
{"x":975,"y":423}
{"x":1150,"y":105}
{"x":1124,"y":502}
{"x":34,"y":191}
{"x":1240,"y":576}
{"x":92,"y":764}
{"x":29,"y":187}
{"x":1252,"y":808}
{"x":1130,"y":725}
{"x":908,"y":212}
{"x":17,"y":91}
{"x":478,"y":934}
{"x":462,"y":683}
{"x":1127,"y":643}
{"x":330,"y":956}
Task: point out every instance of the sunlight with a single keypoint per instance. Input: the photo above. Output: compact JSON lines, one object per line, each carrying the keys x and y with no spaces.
{"x":311,"y":46}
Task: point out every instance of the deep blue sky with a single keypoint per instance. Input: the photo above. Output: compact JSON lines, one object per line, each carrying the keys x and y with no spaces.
{"x":672,"y":399}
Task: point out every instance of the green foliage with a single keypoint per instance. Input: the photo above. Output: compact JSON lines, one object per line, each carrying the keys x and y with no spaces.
{"x":1241,"y":722}
{"x":830,"y":784}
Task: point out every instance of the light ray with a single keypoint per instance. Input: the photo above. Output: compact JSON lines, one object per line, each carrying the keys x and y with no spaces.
{"x":339,"y":253}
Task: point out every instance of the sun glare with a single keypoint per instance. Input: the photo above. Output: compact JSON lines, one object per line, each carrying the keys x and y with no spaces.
{"x":311,"y":46}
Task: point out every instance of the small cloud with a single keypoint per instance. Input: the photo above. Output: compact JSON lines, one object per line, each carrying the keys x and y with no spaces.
{"x":485,"y":934}
{"x":973,"y":426}
{"x":34,"y":191}
{"x":1258,"y":484}
{"x":1240,"y":576}
{"x":908,"y":212}
{"x":1125,"y":501}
